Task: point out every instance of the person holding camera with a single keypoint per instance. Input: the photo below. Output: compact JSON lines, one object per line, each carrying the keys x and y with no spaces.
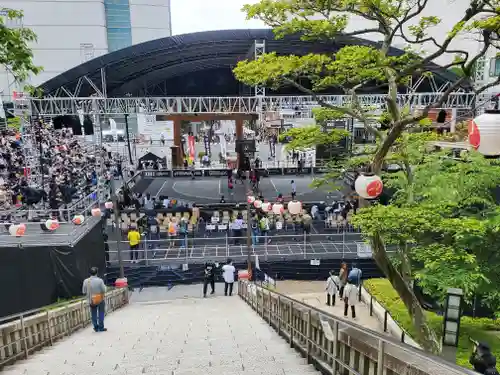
{"x":483,"y":360}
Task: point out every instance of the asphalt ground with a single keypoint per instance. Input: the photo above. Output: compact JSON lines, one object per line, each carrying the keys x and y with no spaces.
{"x":207,"y":190}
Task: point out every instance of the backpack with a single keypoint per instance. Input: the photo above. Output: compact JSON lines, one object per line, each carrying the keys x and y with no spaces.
{"x":263,"y":225}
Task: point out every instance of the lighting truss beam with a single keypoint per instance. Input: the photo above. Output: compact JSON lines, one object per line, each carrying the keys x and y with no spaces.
{"x":224,"y":105}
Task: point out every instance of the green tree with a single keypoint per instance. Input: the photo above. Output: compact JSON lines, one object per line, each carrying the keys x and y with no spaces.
{"x":443,"y":223}
{"x":354,"y":67}
{"x":15,"y":50}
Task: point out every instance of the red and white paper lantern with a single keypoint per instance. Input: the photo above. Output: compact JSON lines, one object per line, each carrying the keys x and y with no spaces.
{"x":78,"y":219}
{"x":17,"y":230}
{"x":295,"y":207}
{"x":52,"y":224}
{"x":368,"y":186}
{"x":266,"y":207}
{"x":484,"y":134}
{"x":96,"y":212}
{"x":108,"y":205}
{"x":250,"y":199}
{"x":278,"y":208}
{"x":257,"y":203}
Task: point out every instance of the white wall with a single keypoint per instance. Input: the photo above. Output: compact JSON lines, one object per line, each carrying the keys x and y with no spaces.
{"x":150,"y":20}
{"x":71,"y":32}
{"x":62,"y":27}
{"x":450,"y":11}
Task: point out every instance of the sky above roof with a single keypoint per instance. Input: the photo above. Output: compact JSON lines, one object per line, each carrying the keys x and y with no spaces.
{"x":190,"y":16}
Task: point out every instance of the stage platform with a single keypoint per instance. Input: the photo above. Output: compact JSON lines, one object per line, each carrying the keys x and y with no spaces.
{"x":210,"y":190}
{"x":67,"y":234}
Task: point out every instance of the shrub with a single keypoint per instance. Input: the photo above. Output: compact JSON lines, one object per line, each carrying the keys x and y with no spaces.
{"x":479,"y":329}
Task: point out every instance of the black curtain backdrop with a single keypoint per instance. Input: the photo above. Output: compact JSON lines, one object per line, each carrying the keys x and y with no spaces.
{"x":34,"y":277}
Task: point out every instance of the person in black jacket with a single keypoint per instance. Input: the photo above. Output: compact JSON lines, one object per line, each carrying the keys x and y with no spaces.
{"x":483,"y":360}
{"x":209,"y":278}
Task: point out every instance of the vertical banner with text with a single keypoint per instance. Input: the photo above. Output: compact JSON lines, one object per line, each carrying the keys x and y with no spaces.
{"x":191,"y":148}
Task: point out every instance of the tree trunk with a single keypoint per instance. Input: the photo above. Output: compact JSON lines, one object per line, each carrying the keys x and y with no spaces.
{"x":405,"y":262}
{"x":425,"y":335}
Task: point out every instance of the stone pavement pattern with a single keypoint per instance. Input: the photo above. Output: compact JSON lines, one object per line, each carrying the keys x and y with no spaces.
{"x":185,"y":336}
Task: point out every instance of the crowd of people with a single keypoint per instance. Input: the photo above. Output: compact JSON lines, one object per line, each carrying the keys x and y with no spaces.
{"x":57,"y":169}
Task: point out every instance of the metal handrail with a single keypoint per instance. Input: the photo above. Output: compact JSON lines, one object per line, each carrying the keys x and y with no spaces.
{"x":26,"y":332}
{"x":426,"y":357}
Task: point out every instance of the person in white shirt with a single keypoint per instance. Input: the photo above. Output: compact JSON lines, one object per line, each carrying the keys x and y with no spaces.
{"x":350,"y":299}
{"x":228,"y":271}
{"x":332,"y":288}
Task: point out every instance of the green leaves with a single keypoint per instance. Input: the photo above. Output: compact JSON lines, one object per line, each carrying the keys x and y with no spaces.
{"x":452,"y":222}
{"x":273,"y":70}
{"x":312,"y":136}
{"x":15,"y":51}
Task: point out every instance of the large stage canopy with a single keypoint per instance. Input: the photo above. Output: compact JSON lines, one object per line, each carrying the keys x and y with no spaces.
{"x":198,"y":64}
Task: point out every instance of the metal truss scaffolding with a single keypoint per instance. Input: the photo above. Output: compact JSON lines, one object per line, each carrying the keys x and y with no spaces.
{"x":224,"y":105}
{"x":259,"y":51}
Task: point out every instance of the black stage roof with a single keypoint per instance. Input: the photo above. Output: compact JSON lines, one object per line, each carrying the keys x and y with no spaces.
{"x":198,"y":64}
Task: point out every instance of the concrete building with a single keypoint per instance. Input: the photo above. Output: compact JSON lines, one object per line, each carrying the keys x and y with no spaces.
{"x":71,"y":32}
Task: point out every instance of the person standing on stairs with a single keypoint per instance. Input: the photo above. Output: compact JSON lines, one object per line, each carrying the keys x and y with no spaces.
{"x":332,"y":288}
{"x":350,"y":298}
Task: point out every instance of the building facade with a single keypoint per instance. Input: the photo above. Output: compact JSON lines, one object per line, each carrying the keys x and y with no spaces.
{"x":71,"y":32}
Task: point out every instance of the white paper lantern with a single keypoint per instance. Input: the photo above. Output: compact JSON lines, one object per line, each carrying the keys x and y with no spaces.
{"x":278,"y":208}
{"x":484,"y":134}
{"x":368,"y":186}
{"x":78,"y":219}
{"x":96,"y":212}
{"x":108,"y":205}
{"x":17,"y":230}
{"x":52,"y":224}
{"x":266,"y":207}
{"x":250,"y":199}
{"x":295,"y":207}
{"x":257,"y":203}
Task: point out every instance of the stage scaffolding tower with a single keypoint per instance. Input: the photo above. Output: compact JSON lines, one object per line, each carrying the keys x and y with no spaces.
{"x":30,"y":147}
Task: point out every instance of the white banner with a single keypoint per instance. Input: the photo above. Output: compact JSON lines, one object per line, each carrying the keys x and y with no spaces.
{"x":150,"y":128}
{"x":364,"y":250}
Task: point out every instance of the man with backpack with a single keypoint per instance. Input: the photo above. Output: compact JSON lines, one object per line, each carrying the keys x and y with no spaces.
{"x":264,"y":227}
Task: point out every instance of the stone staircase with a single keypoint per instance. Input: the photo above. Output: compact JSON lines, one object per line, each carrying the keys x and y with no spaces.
{"x":180,"y":336}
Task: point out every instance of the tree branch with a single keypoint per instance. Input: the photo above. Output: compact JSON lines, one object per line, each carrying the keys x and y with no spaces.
{"x":347,"y":111}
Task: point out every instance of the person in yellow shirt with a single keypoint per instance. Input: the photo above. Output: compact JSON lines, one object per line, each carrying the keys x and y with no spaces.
{"x":134,"y":239}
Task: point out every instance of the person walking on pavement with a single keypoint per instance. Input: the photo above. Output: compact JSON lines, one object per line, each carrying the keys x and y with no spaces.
{"x":228,"y":272}
{"x":350,"y":299}
{"x":332,"y":288}
{"x":94,"y":289}
{"x":209,"y":278}
{"x":343,"y":278}
{"x":355,"y":275}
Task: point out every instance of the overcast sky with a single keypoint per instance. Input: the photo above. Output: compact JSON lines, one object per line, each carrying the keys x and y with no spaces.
{"x":189,"y":16}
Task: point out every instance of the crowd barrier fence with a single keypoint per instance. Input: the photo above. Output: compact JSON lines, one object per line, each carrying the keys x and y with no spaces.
{"x":188,"y":249}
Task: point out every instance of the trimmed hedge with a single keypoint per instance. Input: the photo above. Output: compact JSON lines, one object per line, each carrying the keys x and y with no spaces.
{"x":480,"y":329}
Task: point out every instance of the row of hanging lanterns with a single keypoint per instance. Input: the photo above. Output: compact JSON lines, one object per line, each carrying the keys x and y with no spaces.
{"x":50,"y":225}
{"x":294,"y":207}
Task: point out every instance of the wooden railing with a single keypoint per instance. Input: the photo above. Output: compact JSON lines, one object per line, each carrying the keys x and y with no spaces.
{"x":31,"y":331}
{"x":339,"y":346}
